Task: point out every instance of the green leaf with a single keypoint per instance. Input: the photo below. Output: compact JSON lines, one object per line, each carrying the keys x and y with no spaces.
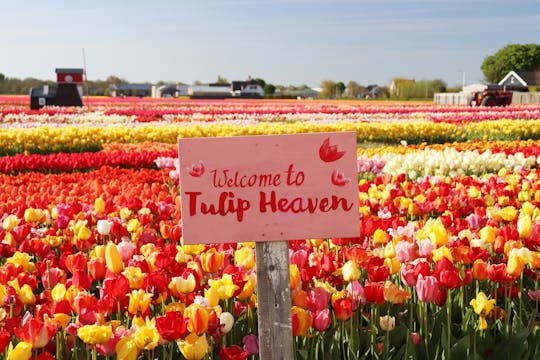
{"x":459,"y":350}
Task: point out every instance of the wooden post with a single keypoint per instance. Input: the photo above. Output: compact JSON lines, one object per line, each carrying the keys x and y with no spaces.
{"x":274,"y":301}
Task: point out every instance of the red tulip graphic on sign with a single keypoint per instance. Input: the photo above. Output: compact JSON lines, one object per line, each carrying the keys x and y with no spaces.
{"x":196,"y":170}
{"x":339,"y":179}
{"x":329,"y":153}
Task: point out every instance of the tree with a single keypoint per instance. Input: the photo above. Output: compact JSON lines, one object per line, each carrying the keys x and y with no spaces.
{"x":353,"y":89}
{"x":221,"y":80}
{"x":339,"y":89}
{"x":328,"y":89}
{"x":269,"y":89}
{"x":513,"y":57}
{"x":260,"y":82}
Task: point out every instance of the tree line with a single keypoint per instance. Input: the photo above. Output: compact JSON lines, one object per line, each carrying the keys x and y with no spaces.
{"x":516,"y":57}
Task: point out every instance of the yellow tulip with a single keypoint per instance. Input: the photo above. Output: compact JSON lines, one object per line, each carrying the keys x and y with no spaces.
{"x":125,"y":213}
{"x":22,"y":259}
{"x":193,"y":347}
{"x":488,"y":234}
{"x":146,"y":338}
{"x":113,"y":260}
{"x":245,"y":256}
{"x":212,"y":296}
{"x":3,"y":293}
{"x":10,"y":222}
{"x":248,"y":289}
{"x":32,"y":215}
{"x":350,"y":271}
{"x":62,"y":320}
{"x":184,"y":285}
{"x":139,"y":301}
{"x":135,"y":276}
{"x":441,"y":252}
{"x":294,"y":276}
{"x":393,"y":264}
{"x":482,"y":307}
{"x":380,"y":236}
{"x":23,"y":351}
{"x":225,"y":286}
{"x":390,"y":250}
{"x":133,"y":226}
{"x":515,"y":264}
{"x":84,"y":233}
{"x":524,"y":226}
{"x":94,"y":334}
{"x":26,"y":295}
{"x":99,"y":205}
{"x":438,"y":234}
{"x":126,"y":349}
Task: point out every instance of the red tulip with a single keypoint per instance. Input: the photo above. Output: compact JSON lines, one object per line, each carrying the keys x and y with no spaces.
{"x":35,"y":332}
{"x":342,"y":308}
{"x":233,"y":352}
{"x":5,"y":337}
{"x":171,"y":326}
{"x":374,"y":292}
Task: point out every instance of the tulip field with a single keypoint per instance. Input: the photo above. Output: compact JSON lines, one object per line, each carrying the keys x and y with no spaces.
{"x":446,"y":264}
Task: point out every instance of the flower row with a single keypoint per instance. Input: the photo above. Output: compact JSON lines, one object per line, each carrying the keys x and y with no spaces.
{"x":71,"y":138}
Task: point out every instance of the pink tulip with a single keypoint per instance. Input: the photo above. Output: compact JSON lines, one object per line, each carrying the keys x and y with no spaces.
{"x":408,"y":274}
{"x":251,"y":344}
{"x":321,"y":319}
{"x":427,"y":288}
{"x":356,"y":292}
{"x":318,"y":299}
{"x":415,"y":337}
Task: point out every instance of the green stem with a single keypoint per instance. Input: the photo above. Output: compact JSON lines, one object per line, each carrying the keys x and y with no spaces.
{"x":425,"y":334}
{"x":520,"y":292}
{"x":448,"y":323}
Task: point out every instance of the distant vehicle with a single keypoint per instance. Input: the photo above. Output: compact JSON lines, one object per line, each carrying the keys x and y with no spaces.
{"x":489,"y":97}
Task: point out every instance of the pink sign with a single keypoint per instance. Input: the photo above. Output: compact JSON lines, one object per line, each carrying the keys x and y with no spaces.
{"x":268,"y":187}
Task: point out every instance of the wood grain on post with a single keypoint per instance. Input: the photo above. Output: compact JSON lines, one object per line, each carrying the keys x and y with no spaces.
{"x":274,"y":301}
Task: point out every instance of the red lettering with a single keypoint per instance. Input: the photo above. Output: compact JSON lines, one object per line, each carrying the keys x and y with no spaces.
{"x":301,"y":204}
{"x":223,"y":179}
{"x":227,"y":204}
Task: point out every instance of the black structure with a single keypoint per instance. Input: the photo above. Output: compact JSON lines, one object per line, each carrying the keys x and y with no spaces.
{"x":67,"y":93}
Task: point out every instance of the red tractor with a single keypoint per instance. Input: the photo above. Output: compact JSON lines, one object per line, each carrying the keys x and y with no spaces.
{"x":491,"y":98}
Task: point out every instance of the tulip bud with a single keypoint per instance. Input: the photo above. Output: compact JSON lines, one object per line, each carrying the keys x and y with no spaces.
{"x":113,"y":260}
{"x":32,"y":215}
{"x":350,"y":271}
{"x":10,"y":222}
{"x":104,"y":227}
{"x":226,"y":320}
{"x":524,"y":226}
{"x":99,"y":205}
{"x":380,"y":237}
{"x":387,"y":323}
{"x":84,"y":233}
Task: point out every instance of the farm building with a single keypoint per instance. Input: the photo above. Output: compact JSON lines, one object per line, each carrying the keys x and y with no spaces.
{"x":68,"y":92}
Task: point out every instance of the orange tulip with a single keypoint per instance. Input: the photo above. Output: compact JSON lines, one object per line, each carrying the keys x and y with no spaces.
{"x":301,"y":321}
{"x":211,"y":260}
{"x":198,"y":318}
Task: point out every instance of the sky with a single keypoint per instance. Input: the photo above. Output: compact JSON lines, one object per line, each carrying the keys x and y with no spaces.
{"x":284,"y":42}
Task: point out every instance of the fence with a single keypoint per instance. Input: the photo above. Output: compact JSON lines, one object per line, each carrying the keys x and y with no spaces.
{"x":464,"y":98}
